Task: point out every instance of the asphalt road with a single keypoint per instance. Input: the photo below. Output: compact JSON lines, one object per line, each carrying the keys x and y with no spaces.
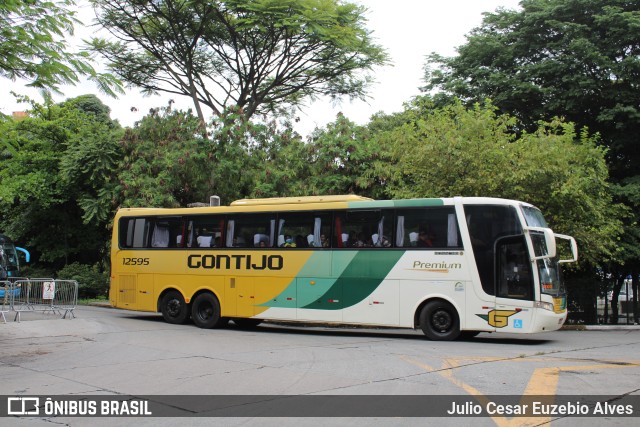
{"x":105,"y":351}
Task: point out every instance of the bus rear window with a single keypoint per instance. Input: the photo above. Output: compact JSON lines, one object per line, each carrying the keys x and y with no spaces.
{"x":133,"y":232}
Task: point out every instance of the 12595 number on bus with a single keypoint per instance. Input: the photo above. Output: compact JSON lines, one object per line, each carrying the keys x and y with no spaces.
{"x":135,"y":261}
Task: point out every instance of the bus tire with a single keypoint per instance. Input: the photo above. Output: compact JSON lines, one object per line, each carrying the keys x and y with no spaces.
{"x":174,"y":309}
{"x":244,"y":323}
{"x":439,"y":321}
{"x":205,"y":311}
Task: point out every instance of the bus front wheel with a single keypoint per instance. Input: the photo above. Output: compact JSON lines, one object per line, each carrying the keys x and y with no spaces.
{"x":439,"y":321}
{"x":205,"y":311}
{"x":173,"y":307}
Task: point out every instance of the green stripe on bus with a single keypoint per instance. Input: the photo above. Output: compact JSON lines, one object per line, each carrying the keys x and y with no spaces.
{"x":379,"y":204}
{"x":361,"y":277}
{"x":374,"y":204}
{"x":416,"y":203}
{"x":309,"y":284}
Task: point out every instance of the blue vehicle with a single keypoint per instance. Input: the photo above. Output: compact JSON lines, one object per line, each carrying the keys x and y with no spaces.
{"x":9,"y":263}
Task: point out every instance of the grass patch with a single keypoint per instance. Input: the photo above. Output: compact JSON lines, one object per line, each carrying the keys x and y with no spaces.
{"x":89,"y":301}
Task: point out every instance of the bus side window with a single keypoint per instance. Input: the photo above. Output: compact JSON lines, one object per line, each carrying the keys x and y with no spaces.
{"x":250,"y":230}
{"x":134,"y":232}
{"x":363,"y":228}
{"x":425,"y":228}
{"x":303,"y":230}
{"x":160,"y":236}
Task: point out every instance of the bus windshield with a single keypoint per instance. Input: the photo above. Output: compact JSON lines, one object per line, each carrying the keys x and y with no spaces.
{"x":550,"y":273}
{"x":534,"y":217}
{"x":8,"y":259}
{"x":549,"y":270}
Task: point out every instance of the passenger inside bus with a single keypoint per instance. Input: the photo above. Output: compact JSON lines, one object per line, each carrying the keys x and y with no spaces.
{"x":426,"y":239}
{"x":204,"y":240}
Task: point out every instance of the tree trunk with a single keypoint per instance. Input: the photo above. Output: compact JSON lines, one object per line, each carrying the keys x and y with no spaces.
{"x":634,"y":288}
{"x":614,"y":299}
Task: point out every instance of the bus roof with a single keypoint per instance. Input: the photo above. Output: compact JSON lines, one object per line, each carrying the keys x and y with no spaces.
{"x":304,"y":203}
{"x":301,"y":199}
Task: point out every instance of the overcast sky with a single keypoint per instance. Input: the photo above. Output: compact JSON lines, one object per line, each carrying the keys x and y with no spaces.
{"x":408,"y":29}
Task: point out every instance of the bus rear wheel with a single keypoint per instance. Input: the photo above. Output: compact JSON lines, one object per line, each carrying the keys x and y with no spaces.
{"x":205,"y":311}
{"x":439,"y":321}
{"x":174,"y":309}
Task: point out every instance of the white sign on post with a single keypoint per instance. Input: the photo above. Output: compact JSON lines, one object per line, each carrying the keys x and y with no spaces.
{"x":48,"y":290}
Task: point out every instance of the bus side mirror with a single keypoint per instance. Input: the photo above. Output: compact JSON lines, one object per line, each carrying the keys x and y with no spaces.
{"x":549,"y":242}
{"x":574,"y":248}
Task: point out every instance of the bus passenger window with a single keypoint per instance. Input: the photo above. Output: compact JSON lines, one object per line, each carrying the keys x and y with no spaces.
{"x":426,"y":228}
{"x":260,"y":240}
{"x":251,"y":230}
{"x":363,"y":229}
{"x":302,"y":230}
{"x":160,"y":236}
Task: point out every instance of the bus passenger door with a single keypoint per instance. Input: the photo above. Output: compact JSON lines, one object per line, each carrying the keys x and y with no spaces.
{"x":515,"y":290}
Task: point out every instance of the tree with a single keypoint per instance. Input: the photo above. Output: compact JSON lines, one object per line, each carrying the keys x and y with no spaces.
{"x":334,"y":160}
{"x":92,"y":158}
{"x":577,"y":59}
{"x":61,"y":158}
{"x":256,"y":56}
{"x":339,"y":157}
{"x":33,"y":46}
{"x":165,"y":162}
{"x":455,"y":151}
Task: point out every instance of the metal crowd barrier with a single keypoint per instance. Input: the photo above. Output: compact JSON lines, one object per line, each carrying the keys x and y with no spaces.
{"x":45,"y":295}
{"x":5,"y":298}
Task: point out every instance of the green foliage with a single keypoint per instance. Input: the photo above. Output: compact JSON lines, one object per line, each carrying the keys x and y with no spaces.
{"x":335,"y":160}
{"x":36,"y":271}
{"x":339,"y":157}
{"x":92,"y":282}
{"x":576,"y":59}
{"x":455,"y":151}
{"x":61,"y":162}
{"x":33,"y":46}
{"x":166,"y":161}
{"x":257,"y":55}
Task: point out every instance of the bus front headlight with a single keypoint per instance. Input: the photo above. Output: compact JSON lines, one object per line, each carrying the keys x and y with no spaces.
{"x":544,"y":305}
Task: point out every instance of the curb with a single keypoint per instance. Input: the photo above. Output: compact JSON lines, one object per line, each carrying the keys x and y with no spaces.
{"x":600,"y":328}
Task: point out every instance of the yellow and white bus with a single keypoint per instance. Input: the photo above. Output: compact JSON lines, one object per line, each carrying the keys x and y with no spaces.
{"x":450,"y":266}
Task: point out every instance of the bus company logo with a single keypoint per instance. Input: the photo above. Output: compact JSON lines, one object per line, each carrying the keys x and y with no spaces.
{"x":498,"y":318}
{"x":435,"y":267}
{"x":236,"y":261}
{"x":23,"y":406}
